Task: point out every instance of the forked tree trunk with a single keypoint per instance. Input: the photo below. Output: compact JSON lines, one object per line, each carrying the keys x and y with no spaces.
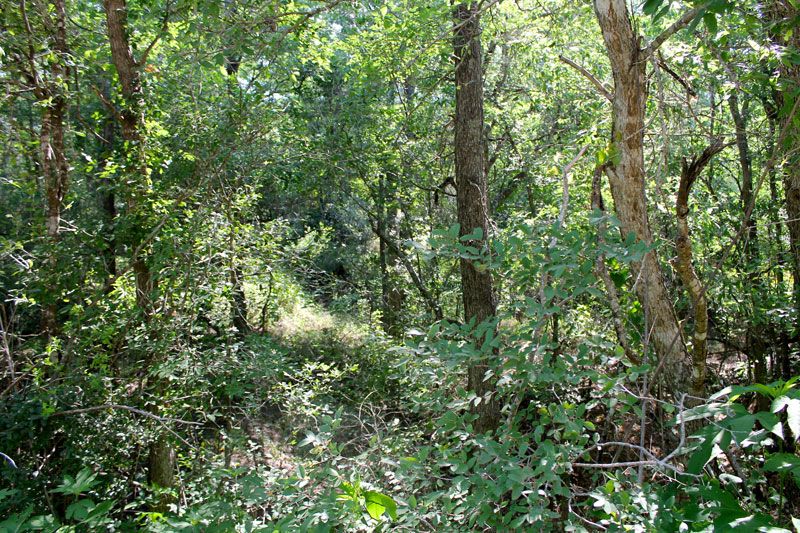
{"x":473,"y":205}
{"x":626,"y":175}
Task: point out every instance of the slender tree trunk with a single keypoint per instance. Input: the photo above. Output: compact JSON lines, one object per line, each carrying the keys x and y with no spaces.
{"x":783,"y":15}
{"x":161,"y":464}
{"x":684,"y":265}
{"x":739,"y":115}
{"x":131,"y":119}
{"x":391,"y":297}
{"x":386,"y":320}
{"x":782,"y":367}
{"x":471,"y":191}
{"x":238,"y":300}
{"x":602,"y":272}
{"x":756,"y":347}
{"x":106,"y":200}
{"x":53,"y":160}
{"x":626,"y":176}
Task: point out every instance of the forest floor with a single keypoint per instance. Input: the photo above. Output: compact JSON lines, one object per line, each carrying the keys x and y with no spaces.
{"x":327,"y":359}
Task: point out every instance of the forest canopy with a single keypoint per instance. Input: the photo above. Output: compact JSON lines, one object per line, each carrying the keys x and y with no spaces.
{"x":399,"y":265}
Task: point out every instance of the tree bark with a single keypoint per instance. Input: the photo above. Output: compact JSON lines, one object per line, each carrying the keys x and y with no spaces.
{"x":161,"y":463}
{"x":782,"y":13}
{"x":472,"y":201}
{"x":690,"y":171}
{"x":131,"y":119}
{"x":626,"y":176}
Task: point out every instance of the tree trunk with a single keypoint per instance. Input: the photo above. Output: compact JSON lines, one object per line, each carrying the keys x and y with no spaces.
{"x":690,"y":171}
{"x":161,"y":464}
{"x":626,"y":176}
{"x":391,"y":297}
{"x":238,"y":298}
{"x":55,"y":168}
{"x":782,"y":15}
{"x":471,"y":191}
{"x":131,"y":120}
{"x":601,"y":270}
{"x":756,"y":347}
{"x":106,"y":200}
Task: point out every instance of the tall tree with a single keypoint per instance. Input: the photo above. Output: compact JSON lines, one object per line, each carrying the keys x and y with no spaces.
{"x":783,"y":15}
{"x":49,"y":87}
{"x":626,"y":175}
{"x":472,"y":199}
{"x":131,"y":121}
{"x":161,"y":462}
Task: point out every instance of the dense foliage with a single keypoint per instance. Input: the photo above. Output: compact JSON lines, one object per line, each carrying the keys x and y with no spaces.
{"x":235,"y":294}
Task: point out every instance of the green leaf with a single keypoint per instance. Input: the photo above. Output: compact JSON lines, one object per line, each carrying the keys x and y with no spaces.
{"x":708,"y":450}
{"x":651,"y":6}
{"x":475,"y":235}
{"x":710,"y":20}
{"x":84,"y":481}
{"x":741,"y":426}
{"x":79,"y":510}
{"x":771,"y":423}
{"x":781,"y":462}
{"x":377,"y":504}
{"x":693,"y":25}
{"x":793,"y":416}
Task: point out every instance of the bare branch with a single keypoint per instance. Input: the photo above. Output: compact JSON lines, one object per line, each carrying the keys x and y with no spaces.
{"x":124,"y":408}
{"x":589,"y":76}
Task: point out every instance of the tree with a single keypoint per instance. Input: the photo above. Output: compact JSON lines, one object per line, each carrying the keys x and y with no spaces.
{"x":477,"y":291}
{"x":783,"y":15}
{"x":49,"y":84}
{"x":625,"y":169}
{"x":131,"y":121}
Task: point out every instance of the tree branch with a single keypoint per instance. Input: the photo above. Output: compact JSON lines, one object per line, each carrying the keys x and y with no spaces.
{"x":124,"y":408}
{"x":142,"y":60}
{"x":676,"y":26}
{"x":589,"y":76}
{"x":684,"y":263}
